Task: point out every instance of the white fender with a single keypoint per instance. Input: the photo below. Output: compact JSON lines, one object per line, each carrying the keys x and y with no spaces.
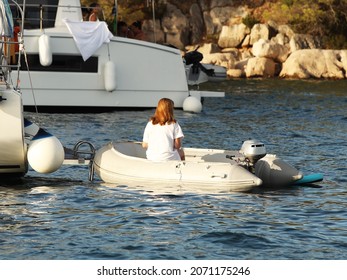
{"x":30,"y":130}
{"x":192,"y":104}
{"x":110,"y":76}
{"x":45,"y":51}
{"x":45,"y":153}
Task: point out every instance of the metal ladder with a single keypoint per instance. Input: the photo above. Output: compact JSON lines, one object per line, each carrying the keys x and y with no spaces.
{"x":84,"y":155}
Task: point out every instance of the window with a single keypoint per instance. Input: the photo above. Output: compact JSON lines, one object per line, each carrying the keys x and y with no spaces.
{"x":32,"y":13}
{"x":62,"y":63}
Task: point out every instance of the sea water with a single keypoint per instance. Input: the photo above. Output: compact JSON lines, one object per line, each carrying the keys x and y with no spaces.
{"x":64,"y":216}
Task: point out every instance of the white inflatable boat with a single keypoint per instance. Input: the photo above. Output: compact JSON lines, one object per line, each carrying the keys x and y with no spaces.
{"x":214,"y":169}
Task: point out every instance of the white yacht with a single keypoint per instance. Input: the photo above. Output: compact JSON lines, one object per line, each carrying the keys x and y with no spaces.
{"x":21,"y":142}
{"x":80,"y":66}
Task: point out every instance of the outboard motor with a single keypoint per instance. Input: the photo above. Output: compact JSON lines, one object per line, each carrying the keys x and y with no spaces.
{"x":273,"y":171}
{"x":193,"y":57}
{"x":253,"y":150}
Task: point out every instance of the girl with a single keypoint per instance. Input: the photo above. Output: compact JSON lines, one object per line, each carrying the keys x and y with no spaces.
{"x":163,"y":135}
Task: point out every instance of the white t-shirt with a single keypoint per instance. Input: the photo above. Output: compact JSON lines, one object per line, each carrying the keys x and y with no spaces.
{"x":160,"y":139}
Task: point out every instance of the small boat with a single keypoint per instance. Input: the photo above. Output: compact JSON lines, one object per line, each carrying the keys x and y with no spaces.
{"x":201,"y":73}
{"x":198,"y":73}
{"x":78,"y":66}
{"x":127,"y":161}
{"x":209,"y":169}
{"x":22,"y":143}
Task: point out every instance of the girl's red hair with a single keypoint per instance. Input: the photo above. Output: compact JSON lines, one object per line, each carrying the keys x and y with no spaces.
{"x":164,"y":113}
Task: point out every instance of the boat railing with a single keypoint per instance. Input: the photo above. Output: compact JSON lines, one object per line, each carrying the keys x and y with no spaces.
{"x":43,"y":15}
{"x":9,"y":43}
{"x":37,"y":15}
{"x":7,"y":54}
{"x":82,"y":153}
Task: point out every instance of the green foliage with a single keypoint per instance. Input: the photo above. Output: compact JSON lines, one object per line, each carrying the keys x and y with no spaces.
{"x":250,"y":21}
{"x":128,"y":10}
{"x":335,"y":42}
{"x":288,"y":3}
{"x":184,"y":6}
{"x":160,"y":9}
{"x":326,"y":19}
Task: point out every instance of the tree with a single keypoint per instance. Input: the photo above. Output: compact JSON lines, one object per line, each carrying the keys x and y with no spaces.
{"x":326,"y":19}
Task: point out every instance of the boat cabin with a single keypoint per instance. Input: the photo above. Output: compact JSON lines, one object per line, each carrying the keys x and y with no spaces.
{"x":43,"y":14}
{"x":81,"y":65}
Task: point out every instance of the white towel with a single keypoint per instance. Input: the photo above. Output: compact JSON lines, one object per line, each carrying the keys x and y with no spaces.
{"x":88,"y":35}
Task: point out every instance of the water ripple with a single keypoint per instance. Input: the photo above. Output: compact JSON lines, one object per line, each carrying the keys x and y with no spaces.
{"x":63,"y":216}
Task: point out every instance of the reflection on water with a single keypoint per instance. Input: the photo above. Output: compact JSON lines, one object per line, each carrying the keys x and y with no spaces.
{"x":63,"y":216}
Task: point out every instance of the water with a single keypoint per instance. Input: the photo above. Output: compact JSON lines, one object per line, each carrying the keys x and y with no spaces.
{"x":63,"y":216}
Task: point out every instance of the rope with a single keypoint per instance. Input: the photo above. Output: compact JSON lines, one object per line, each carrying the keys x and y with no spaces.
{"x":31,"y":83}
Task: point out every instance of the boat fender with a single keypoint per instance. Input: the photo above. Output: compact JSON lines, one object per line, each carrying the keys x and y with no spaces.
{"x":45,"y":51}
{"x":45,"y":153}
{"x":110,"y":76}
{"x":192,"y":104}
{"x":30,"y":130}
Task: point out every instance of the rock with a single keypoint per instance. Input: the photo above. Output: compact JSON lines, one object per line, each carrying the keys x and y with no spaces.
{"x":260,"y":67}
{"x":232,"y":36}
{"x":259,"y":31}
{"x":175,"y":26}
{"x":314,"y":63}
{"x":204,"y":5}
{"x":209,"y":48}
{"x":234,"y":52}
{"x":148,"y":29}
{"x":281,"y":39}
{"x":302,"y":41}
{"x":226,"y":60}
{"x":235,"y":73}
{"x":246,"y":42}
{"x":283,"y":36}
{"x":222,"y":13}
{"x":196,"y":24}
{"x":219,"y":3}
{"x":241,"y":65}
{"x":286,"y":31}
{"x":209,"y":25}
{"x":274,"y":27}
{"x":226,"y":14}
{"x":269,"y":49}
{"x":246,"y":54}
{"x":343,"y":56}
{"x":278,"y":69}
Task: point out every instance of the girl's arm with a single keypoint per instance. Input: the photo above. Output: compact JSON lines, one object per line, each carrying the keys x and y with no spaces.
{"x":178,"y":143}
{"x":178,"y":147}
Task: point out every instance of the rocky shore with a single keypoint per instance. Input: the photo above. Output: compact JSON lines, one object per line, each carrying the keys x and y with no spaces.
{"x":265,"y":50}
